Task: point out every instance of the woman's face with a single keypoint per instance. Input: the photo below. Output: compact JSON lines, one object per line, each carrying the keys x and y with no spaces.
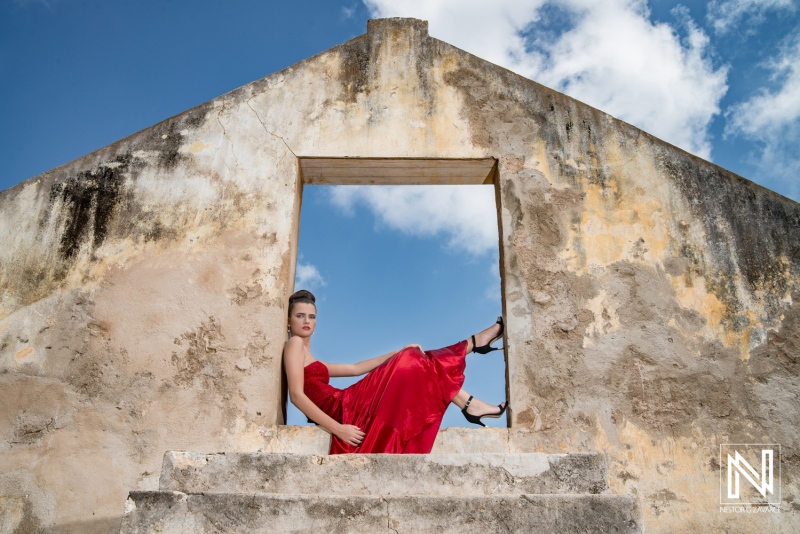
{"x":303,"y":319}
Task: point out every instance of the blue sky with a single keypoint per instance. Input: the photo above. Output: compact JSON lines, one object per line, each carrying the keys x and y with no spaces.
{"x":380,"y":288}
{"x":720,"y":79}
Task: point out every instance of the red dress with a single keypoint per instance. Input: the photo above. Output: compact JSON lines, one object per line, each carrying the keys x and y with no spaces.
{"x":398,"y":405}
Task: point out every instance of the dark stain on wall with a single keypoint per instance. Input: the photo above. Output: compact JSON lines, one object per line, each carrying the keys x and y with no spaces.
{"x":424,"y":65}
{"x":30,"y":428}
{"x":157,"y":232}
{"x":166,"y":137}
{"x":750,"y":230}
{"x":170,"y":156}
{"x":501,"y":111}
{"x":354,"y":73}
{"x":30,"y":524}
{"x":359,"y":56}
{"x":89,"y":200}
{"x":772,"y":389}
{"x":96,"y":204}
{"x":95,"y":199}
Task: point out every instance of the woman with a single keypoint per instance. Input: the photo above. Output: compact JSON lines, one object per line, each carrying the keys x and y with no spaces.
{"x":398,"y":406}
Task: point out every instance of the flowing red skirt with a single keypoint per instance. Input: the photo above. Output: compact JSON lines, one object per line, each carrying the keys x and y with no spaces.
{"x":399,"y":405}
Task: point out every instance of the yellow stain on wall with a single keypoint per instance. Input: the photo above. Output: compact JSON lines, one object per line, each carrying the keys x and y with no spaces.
{"x":620,"y":221}
{"x":23,"y":354}
{"x":196,"y":148}
{"x":670,"y":475}
{"x":245,"y":435}
{"x":696,"y":296}
{"x":615,"y":226}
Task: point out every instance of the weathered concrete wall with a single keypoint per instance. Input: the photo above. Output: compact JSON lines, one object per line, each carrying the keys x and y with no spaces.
{"x":653,"y":307}
{"x":651,"y":297}
{"x":142,"y":310}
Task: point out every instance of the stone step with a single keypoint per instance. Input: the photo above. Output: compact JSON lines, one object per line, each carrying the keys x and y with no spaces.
{"x":384,"y":474}
{"x":175,"y":512}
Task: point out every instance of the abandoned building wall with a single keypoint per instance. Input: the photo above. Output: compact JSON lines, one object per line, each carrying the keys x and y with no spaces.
{"x":143,"y":291}
{"x":651,"y":298}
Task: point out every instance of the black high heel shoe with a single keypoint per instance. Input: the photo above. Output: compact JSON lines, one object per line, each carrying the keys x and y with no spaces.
{"x":486,"y":349}
{"x":476,"y":420}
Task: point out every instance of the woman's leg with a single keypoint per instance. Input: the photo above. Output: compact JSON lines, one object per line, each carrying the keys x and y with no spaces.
{"x":484,"y":338}
{"x":478,"y":407}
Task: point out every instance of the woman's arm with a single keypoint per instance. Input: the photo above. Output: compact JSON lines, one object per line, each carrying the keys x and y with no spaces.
{"x":363,"y":367}
{"x":294,"y":359}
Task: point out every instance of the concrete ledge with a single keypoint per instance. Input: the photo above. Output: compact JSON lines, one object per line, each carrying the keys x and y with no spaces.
{"x":487,"y":440}
{"x":296,"y":439}
{"x":173,"y":512}
{"x":384,"y":474}
{"x":453,"y":440}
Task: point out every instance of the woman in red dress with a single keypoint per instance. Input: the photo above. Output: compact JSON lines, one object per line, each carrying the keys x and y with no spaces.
{"x":398,"y":406}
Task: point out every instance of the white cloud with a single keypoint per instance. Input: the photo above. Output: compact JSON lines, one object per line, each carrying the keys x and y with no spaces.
{"x":466,"y":216}
{"x":492,"y":31}
{"x":773,"y":119}
{"x":725,"y":15}
{"x":777,"y":109}
{"x":608,"y":54}
{"x":615,"y":59}
{"x":308,"y":277}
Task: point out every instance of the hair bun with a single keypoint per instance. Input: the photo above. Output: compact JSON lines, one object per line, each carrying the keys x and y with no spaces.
{"x":303,"y":294}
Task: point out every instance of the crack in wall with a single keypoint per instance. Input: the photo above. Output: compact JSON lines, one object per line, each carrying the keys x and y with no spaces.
{"x":183,"y":522}
{"x":364,"y":486}
{"x":389,"y":517}
{"x":225,"y":133}
{"x":265,"y":126}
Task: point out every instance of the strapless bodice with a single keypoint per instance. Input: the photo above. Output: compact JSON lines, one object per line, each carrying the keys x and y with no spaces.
{"x":317,"y":387}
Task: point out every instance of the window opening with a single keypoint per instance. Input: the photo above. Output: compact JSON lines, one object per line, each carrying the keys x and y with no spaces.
{"x":394,"y":265}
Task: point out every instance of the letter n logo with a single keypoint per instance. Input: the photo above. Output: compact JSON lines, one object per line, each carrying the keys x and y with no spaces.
{"x":743,"y":483}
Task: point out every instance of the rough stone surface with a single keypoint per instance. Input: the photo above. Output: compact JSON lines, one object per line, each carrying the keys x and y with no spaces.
{"x":651,"y":297}
{"x":295,"y":439}
{"x":174,"y":512}
{"x":384,"y":474}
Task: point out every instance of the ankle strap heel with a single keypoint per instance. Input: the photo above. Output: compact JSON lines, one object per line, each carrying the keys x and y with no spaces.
{"x":486,"y":349}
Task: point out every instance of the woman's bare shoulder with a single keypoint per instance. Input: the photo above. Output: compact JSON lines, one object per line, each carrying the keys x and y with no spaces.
{"x":293,"y":345}
{"x":294,"y":341}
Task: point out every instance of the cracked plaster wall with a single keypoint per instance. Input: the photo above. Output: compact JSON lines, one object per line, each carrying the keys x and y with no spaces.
{"x":651,"y":297}
{"x":142,"y":310}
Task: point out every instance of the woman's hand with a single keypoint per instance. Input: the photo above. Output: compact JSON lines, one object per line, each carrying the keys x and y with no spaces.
{"x":350,"y":434}
{"x":413,"y":345}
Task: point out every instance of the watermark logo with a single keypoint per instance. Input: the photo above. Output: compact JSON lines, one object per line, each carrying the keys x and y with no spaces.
{"x":750,"y":474}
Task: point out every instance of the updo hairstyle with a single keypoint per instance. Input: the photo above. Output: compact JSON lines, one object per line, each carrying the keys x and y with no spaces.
{"x":303,"y":296}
